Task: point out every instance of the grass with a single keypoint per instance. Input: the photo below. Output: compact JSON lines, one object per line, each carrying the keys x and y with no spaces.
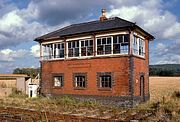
{"x":164,"y":104}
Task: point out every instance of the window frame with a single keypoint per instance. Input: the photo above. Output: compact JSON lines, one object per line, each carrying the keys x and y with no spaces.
{"x":54,"y":75}
{"x":87,"y":46}
{"x":104,"y":45}
{"x":75,"y":75}
{"x":49,"y":51}
{"x":99,"y":82}
{"x":127,"y":43}
{"x":74,"y":44}
{"x":140,"y":46}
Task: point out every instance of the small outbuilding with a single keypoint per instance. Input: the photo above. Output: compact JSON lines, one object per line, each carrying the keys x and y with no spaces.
{"x":19,"y":81}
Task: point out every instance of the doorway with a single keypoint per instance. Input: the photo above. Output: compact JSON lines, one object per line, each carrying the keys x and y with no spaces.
{"x":142,"y":88}
{"x":31,"y":93}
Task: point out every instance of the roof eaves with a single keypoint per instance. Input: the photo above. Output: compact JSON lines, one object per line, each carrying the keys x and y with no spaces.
{"x":150,"y":36}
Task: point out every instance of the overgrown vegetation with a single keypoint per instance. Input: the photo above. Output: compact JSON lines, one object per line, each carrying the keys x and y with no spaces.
{"x":17,"y":94}
{"x":162,"y":106}
{"x":165,"y":109}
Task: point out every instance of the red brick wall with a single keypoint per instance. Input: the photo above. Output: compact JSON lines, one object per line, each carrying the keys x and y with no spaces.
{"x":118,"y":65}
{"x":141,"y":66}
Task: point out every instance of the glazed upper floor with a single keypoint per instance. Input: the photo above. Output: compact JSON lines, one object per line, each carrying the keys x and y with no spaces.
{"x":117,"y":43}
{"x":104,"y":37}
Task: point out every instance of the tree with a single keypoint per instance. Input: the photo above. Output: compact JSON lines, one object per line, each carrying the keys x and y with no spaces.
{"x":32,"y":72}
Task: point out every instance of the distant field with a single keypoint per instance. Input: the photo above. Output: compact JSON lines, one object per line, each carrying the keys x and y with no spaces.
{"x":163,"y":86}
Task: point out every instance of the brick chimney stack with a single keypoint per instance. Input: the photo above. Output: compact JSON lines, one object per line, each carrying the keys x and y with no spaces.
{"x":103,"y":16}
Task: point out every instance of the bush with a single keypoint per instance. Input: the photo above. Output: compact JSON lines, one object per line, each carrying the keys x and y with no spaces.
{"x":176,"y":94}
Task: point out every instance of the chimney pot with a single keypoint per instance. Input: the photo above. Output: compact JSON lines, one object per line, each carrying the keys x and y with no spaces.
{"x":103,"y":15}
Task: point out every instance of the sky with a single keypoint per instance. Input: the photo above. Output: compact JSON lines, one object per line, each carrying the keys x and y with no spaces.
{"x":21,"y":21}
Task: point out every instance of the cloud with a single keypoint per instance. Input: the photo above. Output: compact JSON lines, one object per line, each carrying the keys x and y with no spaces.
{"x":14,"y":29}
{"x":6,"y":7}
{"x":153,"y":16}
{"x":22,"y":25}
{"x":150,"y":15}
{"x":60,"y":11}
{"x":35,"y":50}
{"x":8,"y":55}
{"x":19,"y":25}
{"x":7,"y":67}
{"x":165,"y":53}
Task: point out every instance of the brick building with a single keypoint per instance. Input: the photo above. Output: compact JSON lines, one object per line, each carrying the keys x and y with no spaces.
{"x":106,"y":60}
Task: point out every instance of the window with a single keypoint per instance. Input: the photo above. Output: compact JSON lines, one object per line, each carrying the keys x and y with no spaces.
{"x":55,"y":50}
{"x":104,"y":46}
{"x":73,"y":48}
{"x":86,"y":47}
{"x":135,"y":45}
{"x":80,"y":80}
{"x":138,"y":46}
{"x":141,"y":47}
{"x":105,"y":80}
{"x":47,"y":51}
{"x":116,"y":45}
{"x":121,"y":44}
{"x":58,"y":80}
{"x":59,"y":50}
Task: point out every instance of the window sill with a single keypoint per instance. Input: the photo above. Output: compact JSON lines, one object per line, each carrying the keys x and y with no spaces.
{"x":57,"y":87}
{"x":79,"y":88}
{"x":139,"y":56}
{"x":105,"y":89}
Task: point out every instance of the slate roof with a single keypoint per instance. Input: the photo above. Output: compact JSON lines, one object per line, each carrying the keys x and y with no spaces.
{"x":93,"y":26}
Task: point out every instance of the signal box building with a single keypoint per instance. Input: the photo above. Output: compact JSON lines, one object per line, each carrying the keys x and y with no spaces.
{"x":105,"y":60}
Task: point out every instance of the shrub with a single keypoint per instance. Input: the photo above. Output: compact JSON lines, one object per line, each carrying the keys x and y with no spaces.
{"x":176,"y":94}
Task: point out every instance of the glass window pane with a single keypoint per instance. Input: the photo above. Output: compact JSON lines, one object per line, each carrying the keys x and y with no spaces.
{"x":76,"y":53}
{"x":70,"y":53}
{"x":109,"y":40}
{"x":103,"y":40}
{"x":83,"y":51}
{"x":86,"y":43}
{"x":77,"y":43}
{"x":82,"y":43}
{"x":62,"y":46}
{"x":90,"y":51}
{"x":61,"y":55}
{"x":73,"y":44}
{"x":80,"y":81}
{"x":126,"y":38}
{"x":108,"y":49}
{"x":120,"y":37}
{"x":114,"y":39}
{"x":91,"y":42}
{"x":58,"y":81}
{"x":116,"y":48}
{"x":100,"y":50}
{"x":105,"y":81}
{"x":98,"y":41}
{"x":69,"y":44}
